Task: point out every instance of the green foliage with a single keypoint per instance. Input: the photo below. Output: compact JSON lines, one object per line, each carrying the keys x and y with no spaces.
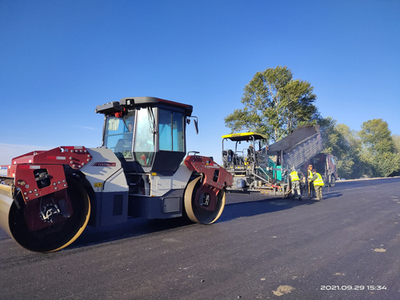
{"x":344,"y":144}
{"x":333,"y":140}
{"x":386,"y":163}
{"x":376,"y":136}
{"x":274,"y":104}
{"x":379,"y":148}
{"x":370,"y":152}
{"x":396,"y":141}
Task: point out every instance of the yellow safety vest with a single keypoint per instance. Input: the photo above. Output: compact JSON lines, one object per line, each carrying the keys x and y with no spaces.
{"x":310,"y":175}
{"x":319,"y":180}
{"x":294,"y":176}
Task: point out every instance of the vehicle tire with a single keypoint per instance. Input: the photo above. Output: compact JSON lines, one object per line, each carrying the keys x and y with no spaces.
{"x":201,"y":213}
{"x":60,"y":235}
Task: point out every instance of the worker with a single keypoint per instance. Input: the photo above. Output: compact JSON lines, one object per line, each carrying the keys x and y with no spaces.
{"x":250,"y":154}
{"x":318,"y":184}
{"x":310,"y":175}
{"x":295,"y":179}
{"x":303,"y":182}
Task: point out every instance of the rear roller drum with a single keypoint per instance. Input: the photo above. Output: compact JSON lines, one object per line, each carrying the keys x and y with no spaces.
{"x":203,"y":204}
{"x":61,"y":218}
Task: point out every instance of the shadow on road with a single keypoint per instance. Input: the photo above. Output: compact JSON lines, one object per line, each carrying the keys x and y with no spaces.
{"x":131,"y":228}
{"x":137,"y":227}
{"x":332,"y":195}
{"x":262,"y":206}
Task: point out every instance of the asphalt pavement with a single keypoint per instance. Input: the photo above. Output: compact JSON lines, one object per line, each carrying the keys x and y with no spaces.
{"x":346,"y":246}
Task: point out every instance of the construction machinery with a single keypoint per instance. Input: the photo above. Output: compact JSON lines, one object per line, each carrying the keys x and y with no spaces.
{"x":293,"y":151}
{"x":47,"y":198}
{"x":325,"y":164}
{"x":246,"y":160}
{"x":255,"y":165}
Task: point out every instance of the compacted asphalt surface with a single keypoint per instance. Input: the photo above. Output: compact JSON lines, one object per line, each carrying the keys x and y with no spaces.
{"x":346,"y":246}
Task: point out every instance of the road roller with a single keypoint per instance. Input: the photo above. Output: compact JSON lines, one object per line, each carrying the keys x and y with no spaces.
{"x":141,"y":170}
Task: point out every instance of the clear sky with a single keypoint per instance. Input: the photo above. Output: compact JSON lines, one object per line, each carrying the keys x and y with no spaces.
{"x":60,"y":59}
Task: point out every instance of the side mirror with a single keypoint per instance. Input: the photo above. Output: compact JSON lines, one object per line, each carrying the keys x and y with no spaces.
{"x":196,"y":125}
{"x":195,"y":120}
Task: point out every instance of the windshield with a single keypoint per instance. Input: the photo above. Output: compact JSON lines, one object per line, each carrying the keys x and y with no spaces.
{"x":119,"y":133}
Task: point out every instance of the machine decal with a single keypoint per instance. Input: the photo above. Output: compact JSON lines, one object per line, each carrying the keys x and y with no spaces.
{"x":105,"y":164}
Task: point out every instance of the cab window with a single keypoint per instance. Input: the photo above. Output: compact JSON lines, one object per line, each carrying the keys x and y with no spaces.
{"x":171,"y":135}
{"x":144,"y":137}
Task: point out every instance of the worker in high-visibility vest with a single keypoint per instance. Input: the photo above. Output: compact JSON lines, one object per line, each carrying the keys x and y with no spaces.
{"x":295,"y":179}
{"x":318,"y":184}
{"x":310,"y":175}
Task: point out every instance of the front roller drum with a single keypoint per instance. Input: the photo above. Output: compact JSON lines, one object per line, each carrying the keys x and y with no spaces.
{"x":203,"y":204}
{"x":53,"y":236}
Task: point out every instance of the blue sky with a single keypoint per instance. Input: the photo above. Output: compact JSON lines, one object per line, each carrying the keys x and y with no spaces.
{"x":60,"y":59}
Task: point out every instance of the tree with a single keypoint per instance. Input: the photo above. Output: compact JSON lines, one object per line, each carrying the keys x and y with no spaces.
{"x":345,"y":145}
{"x":376,"y":136}
{"x":274,"y":104}
{"x":379,"y":147}
{"x":396,"y":140}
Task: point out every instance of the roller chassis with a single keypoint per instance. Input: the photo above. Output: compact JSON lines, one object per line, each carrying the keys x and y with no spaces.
{"x":197,"y":192}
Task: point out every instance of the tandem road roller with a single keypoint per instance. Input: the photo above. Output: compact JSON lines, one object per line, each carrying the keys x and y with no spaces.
{"x":47,"y":198}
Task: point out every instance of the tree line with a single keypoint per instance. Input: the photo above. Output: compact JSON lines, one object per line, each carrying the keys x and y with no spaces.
{"x":274,"y":104}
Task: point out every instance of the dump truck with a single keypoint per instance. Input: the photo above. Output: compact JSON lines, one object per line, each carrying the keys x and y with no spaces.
{"x":325,"y":164}
{"x":294,"y":151}
{"x":142,"y":169}
{"x":255,"y":165}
